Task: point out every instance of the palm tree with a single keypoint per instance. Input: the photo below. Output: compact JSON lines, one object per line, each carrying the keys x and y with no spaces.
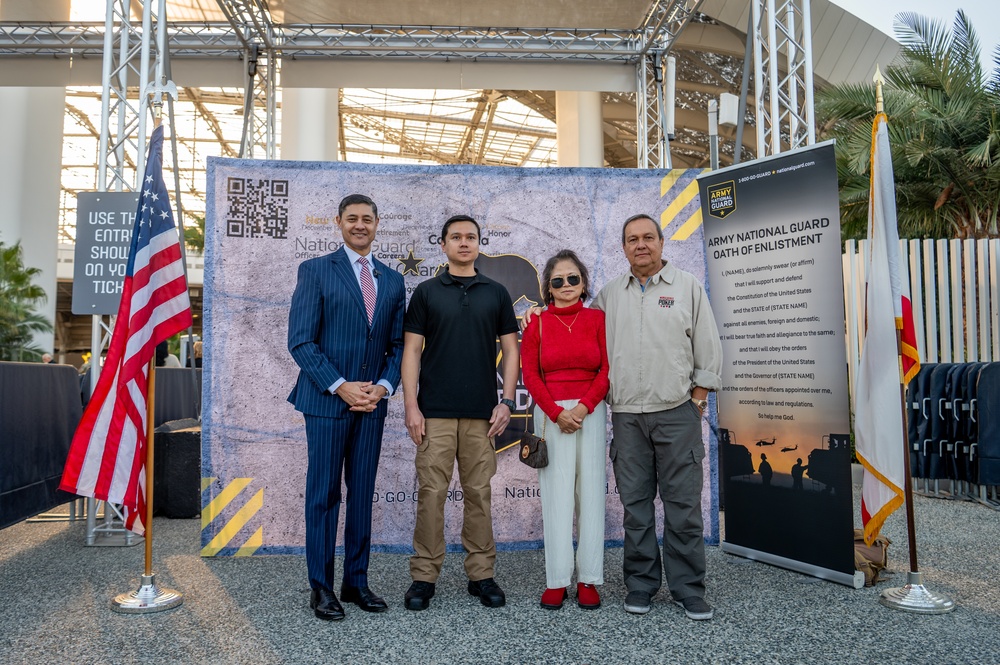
{"x":18,"y":298}
{"x":944,"y":128}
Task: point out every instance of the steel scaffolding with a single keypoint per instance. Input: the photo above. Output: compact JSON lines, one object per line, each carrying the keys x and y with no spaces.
{"x":127,"y":53}
{"x":252,"y":24}
{"x":783,"y":75}
{"x":782,"y":59}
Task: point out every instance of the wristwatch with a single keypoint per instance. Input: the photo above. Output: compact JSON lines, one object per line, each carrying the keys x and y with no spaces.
{"x":702,"y":404}
{"x":509,"y":403}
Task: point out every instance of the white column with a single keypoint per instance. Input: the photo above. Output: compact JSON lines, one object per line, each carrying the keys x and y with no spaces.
{"x":579,"y":129}
{"x":310,"y":124}
{"x":30,"y":172}
{"x":31,"y":164}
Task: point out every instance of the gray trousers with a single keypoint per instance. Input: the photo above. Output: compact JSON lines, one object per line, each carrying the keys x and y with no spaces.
{"x":661,"y":450}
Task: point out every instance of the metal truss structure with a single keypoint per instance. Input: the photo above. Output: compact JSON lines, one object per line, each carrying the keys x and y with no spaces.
{"x":191,"y":40}
{"x":783,"y":75}
{"x":252,"y":25}
{"x":459,"y":43}
{"x":643,"y":138}
{"x":782,"y":59}
{"x":126,"y":53}
{"x":252,"y":36}
{"x":664,"y":21}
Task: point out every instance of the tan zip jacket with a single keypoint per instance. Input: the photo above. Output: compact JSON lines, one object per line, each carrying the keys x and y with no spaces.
{"x":662,"y":341}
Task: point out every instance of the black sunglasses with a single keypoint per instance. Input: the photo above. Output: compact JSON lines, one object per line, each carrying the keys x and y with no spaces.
{"x":557,"y":282}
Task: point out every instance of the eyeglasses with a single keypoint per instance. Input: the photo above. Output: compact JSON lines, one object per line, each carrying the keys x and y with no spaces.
{"x":557,"y":282}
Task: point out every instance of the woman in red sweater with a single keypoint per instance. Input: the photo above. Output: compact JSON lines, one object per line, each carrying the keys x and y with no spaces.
{"x":568,"y":381}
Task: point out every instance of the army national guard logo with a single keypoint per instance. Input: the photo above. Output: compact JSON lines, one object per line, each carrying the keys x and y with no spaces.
{"x":722,"y":199}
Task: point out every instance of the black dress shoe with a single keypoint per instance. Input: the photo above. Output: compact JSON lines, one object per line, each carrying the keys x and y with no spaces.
{"x":325,"y":605}
{"x":363,"y":597}
{"x":418,"y":596}
{"x":490,"y":594}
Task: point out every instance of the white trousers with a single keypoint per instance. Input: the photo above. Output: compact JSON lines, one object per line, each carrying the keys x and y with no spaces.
{"x":574,"y":482}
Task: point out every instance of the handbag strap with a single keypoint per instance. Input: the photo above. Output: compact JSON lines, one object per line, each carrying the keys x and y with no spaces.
{"x":540,"y":371}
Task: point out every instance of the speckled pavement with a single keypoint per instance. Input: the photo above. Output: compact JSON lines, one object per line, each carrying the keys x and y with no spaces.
{"x":55,"y":607}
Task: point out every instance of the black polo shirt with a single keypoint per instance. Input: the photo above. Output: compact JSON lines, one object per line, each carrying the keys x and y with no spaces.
{"x":460,"y":325}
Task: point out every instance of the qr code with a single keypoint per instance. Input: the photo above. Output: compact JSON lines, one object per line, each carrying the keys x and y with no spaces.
{"x":257,"y":208}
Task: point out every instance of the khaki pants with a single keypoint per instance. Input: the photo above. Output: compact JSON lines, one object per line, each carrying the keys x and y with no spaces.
{"x":445,"y":440}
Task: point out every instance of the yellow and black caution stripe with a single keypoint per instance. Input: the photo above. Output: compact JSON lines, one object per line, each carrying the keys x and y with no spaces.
{"x":235,"y":524}
{"x":683,"y":193}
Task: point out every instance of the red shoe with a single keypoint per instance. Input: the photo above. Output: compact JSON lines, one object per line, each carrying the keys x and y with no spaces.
{"x":553,"y":599}
{"x":587,"y":597}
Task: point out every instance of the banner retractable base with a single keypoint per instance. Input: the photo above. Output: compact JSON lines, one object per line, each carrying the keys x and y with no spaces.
{"x":915,"y":597}
{"x":857,"y":580}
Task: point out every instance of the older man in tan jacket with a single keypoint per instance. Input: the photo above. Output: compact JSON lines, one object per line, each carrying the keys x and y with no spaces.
{"x":665,"y":356}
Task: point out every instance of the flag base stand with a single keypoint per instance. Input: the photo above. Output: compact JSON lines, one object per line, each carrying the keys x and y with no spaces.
{"x":915,"y":597}
{"x":147,"y":599}
{"x":114,"y":539}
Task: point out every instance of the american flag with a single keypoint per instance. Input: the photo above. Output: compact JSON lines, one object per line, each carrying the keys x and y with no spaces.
{"x":108,"y":454}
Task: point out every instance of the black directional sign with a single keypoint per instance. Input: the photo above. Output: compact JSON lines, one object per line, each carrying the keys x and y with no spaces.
{"x":103,"y":234}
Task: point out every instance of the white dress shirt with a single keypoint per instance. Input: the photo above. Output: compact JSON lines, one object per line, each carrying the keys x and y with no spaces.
{"x":354,"y":256}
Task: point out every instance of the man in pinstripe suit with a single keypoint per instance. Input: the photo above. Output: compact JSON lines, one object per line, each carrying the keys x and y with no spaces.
{"x":345,"y":332}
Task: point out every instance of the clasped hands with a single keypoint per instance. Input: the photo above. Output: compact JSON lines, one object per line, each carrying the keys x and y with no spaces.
{"x":571,"y":420}
{"x":362,"y":396}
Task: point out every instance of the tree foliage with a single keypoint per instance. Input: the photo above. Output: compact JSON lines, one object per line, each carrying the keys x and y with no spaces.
{"x":19,"y":296}
{"x":194,"y":234}
{"x":944,"y":129}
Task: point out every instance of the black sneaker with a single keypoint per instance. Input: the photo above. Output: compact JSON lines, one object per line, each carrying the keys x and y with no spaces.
{"x":490,"y":594}
{"x":637,"y":602}
{"x":418,"y":596}
{"x":696,"y":608}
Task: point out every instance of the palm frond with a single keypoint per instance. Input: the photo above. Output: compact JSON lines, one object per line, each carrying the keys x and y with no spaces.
{"x":944,"y":130}
{"x":965,"y":46}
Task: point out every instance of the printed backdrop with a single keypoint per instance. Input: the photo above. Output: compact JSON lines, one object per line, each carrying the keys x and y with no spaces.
{"x":266,"y":217}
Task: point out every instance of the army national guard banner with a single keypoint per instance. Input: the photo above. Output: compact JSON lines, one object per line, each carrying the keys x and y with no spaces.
{"x":266,"y":217}
{"x":772,"y":235}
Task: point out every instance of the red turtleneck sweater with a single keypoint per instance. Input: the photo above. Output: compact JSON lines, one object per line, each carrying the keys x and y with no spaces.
{"x":575,"y":361}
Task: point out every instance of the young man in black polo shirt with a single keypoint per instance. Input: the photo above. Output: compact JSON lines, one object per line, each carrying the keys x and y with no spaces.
{"x":449,"y":346}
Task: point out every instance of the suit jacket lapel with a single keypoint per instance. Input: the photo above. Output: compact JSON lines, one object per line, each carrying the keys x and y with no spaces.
{"x":342,"y":265}
{"x":380,"y":289}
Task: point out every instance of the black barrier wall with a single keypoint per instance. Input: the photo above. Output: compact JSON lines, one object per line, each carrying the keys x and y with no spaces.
{"x":39,"y":411}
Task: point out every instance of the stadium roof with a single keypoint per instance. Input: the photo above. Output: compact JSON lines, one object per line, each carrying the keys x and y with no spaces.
{"x":427,"y":121}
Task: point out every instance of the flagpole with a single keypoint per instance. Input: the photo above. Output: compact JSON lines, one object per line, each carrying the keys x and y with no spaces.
{"x":149,"y":597}
{"x":911,"y":530}
{"x":907,"y":481}
{"x":914,"y":596}
{"x":150,"y":426}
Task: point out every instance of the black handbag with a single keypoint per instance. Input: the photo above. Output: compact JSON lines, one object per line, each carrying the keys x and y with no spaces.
{"x":534,"y":451}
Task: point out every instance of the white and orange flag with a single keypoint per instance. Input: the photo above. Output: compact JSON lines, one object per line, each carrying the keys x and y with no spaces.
{"x":878,"y":423}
